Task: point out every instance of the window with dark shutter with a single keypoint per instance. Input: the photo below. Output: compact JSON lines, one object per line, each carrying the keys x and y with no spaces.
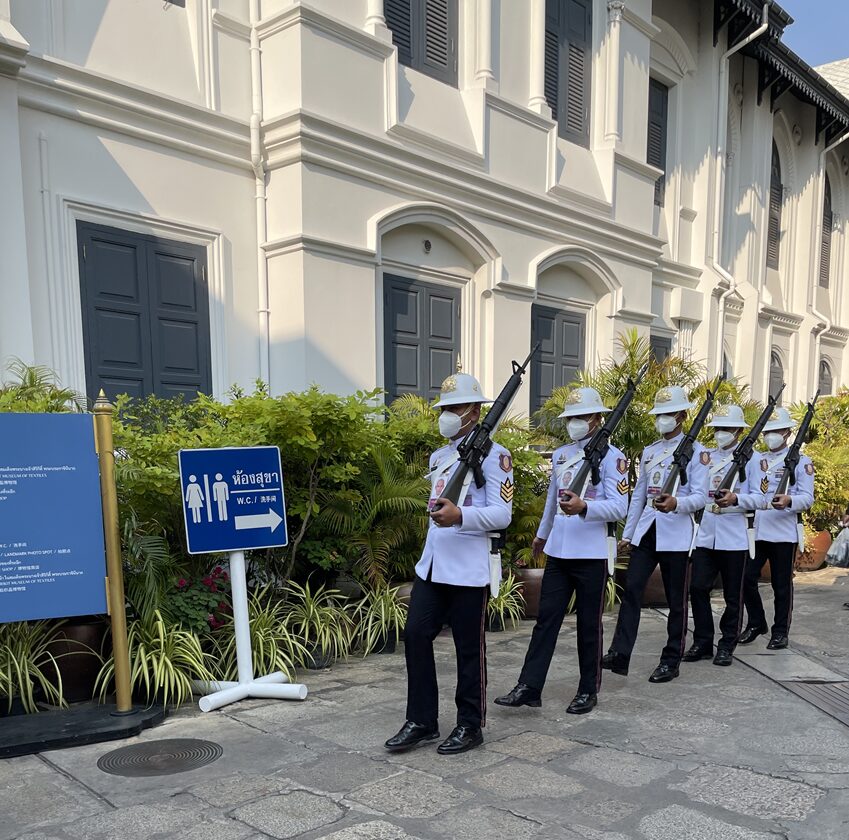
{"x":425,"y":33}
{"x":825,"y":244}
{"x":657,"y":133}
{"x":826,"y":381}
{"x":660,"y":347}
{"x":568,"y":43}
{"x":776,"y":198}
{"x":776,"y":372}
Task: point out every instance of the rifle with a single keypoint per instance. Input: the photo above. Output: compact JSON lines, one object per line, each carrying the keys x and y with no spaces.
{"x":478,"y":443}
{"x":684,"y":451}
{"x":595,"y":452}
{"x":791,"y":461}
{"x":739,"y":461}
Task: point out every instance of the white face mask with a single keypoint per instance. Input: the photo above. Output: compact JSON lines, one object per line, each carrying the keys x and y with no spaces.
{"x":723,"y":438}
{"x":665,"y":423}
{"x":578,"y":429}
{"x":451,"y":423}
{"x":774,"y":440}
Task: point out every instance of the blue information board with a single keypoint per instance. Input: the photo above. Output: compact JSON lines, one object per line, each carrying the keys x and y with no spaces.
{"x":233,"y":498}
{"x":52,"y":558}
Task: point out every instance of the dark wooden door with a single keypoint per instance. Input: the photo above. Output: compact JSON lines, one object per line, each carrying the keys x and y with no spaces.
{"x":562,"y":336}
{"x":421,"y":336}
{"x":145,"y":314}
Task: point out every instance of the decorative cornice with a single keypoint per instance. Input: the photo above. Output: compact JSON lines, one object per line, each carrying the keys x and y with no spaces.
{"x":80,"y":95}
{"x":317,"y":245}
{"x":644,"y":318}
{"x":639,"y":167}
{"x":515,"y":289}
{"x":778,"y":317}
{"x":227,"y":23}
{"x":337,"y":29}
{"x":836,"y":335}
{"x":13,"y":49}
{"x":301,"y":137}
{"x":639,"y":23}
{"x":437,"y":144}
{"x":684,"y":275}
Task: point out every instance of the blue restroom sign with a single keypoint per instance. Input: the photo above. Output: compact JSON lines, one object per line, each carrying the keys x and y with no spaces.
{"x":233,"y":498}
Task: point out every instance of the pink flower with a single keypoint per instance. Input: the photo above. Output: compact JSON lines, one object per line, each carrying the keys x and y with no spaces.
{"x":222,"y":605}
{"x":182,"y":583}
{"x":207,"y":581}
{"x":217,"y":572}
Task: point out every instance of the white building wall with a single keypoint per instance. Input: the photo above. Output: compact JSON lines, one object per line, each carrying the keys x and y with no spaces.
{"x":366,"y":158}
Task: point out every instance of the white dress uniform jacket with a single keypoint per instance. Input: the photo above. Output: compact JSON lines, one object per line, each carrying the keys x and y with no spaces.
{"x":674,"y":530}
{"x":780,"y":525}
{"x":724,"y":529}
{"x":459,"y":554}
{"x":584,"y":536}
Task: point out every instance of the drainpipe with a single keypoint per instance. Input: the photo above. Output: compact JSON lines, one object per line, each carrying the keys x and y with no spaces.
{"x":719,"y":179}
{"x":264,"y":313}
{"x":812,"y":296}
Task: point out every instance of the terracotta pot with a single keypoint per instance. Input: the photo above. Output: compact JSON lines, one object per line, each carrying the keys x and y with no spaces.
{"x":77,"y":666}
{"x":653,"y":596}
{"x":813,"y":557}
{"x":531,"y":580}
{"x":404,"y":591}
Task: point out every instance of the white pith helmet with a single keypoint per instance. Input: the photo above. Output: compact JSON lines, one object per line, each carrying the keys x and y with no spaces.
{"x":671,"y":400}
{"x":780,"y":421}
{"x":460,"y":389}
{"x":728,"y":417}
{"x":583,"y":401}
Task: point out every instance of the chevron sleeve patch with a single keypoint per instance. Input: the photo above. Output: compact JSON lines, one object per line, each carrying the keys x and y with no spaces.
{"x":764,"y":485}
{"x":507,"y":490}
{"x":622,"y":487}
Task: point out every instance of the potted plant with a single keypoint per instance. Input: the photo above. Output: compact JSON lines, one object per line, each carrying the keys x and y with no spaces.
{"x":274,"y":645}
{"x":507,"y":607}
{"x":380,"y":617}
{"x":27,"y":667}
{"x":320,"y":622}
{"x":75,"y":647}
{"x":164,"y":660}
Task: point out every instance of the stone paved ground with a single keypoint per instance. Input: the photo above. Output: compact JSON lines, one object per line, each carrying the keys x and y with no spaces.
{"x":719,"y":754}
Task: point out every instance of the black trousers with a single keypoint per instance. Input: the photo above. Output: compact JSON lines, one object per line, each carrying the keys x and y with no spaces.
{"x":586,"y":578}
{"x":781,"y":557}
{"x":707,"y":564}
{"x":675,"y":570}
{"x":431,"y":605}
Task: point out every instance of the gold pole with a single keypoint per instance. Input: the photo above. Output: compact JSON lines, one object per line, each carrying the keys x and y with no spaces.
{"x":103,"y":411}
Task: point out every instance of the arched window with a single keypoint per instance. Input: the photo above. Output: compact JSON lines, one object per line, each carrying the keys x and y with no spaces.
{"x":776,"y":372}
{"x":825,"y":379}
{"x":825,"y":243}
{"x":776,"y":198}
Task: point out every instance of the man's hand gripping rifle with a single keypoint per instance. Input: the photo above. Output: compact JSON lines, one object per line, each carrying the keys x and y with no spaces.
{"x":739,"y":462}
{"x":595,"y":452}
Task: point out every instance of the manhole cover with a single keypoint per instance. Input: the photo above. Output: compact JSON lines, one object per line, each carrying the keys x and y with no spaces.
{"x":160,"y":758}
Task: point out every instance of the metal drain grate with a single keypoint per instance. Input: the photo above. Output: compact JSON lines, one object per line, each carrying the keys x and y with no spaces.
{"x":160,"y":758}
{"x":831,"y":697}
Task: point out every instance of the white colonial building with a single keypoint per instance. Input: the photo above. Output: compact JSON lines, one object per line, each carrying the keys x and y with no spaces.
{"x":353,"y":192}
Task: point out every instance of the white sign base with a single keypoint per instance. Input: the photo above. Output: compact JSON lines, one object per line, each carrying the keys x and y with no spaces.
{"x":276,"y":685}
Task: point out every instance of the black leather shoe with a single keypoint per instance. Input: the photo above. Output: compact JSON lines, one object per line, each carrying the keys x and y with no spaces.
{"x":750,"y":634}
{"x":663,"y":673}
{"x":411,"y":734}
{"x":616,"y":662}
{"x":697,"y":652}
{"x":521,"y":695}
{"x":582,"y":704}
{"x":461,"y":739}
{"x":723,"y":657}
{"x":846,"y":606}
{"x":778,"y":642}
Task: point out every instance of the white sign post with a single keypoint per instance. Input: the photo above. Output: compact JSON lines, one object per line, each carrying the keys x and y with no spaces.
{"x":253,"y":493}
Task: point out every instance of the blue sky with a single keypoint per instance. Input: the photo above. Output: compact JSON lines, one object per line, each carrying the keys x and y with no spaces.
{"x":820,"y":31}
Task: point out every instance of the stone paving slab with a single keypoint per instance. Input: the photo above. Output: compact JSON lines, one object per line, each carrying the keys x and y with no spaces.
{"x":787,"y":666}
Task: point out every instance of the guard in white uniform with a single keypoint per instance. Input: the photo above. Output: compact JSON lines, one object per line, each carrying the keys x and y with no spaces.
{"x":659,"y":530}
{"x":573,"y":533}
{"x":722,"y":544}
{"x":452,"y":578}
{"x":775,"y":534}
